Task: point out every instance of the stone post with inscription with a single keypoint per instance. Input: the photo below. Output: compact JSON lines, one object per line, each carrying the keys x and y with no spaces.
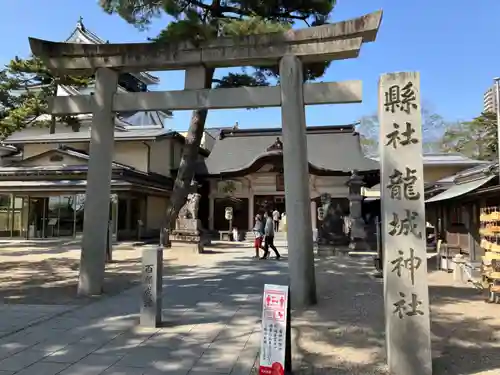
{"x":406,"y":290}
{"x":152,"y":275}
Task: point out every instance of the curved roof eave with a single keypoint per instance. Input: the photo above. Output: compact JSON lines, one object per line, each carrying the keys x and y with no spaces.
{"x":329,"y":149}
{"x":278,"y":153}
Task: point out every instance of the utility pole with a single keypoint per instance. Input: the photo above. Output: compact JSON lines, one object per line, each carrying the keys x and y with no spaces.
{"x":497,"y":109}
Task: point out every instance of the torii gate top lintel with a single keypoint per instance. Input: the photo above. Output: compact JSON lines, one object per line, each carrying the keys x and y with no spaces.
{"x":336,"y":41}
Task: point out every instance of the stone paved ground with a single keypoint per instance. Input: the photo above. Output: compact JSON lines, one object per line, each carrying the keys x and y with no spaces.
{"x":18,"y":317}
{"x":212,"y":312}
{"x":46,"y":273}
{"x":38,"y":280}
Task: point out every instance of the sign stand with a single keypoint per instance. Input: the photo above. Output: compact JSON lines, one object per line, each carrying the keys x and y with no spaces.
{"x":275,"y":347}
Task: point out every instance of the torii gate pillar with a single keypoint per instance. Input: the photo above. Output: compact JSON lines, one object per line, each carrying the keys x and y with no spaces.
{"x":97,"y":196}
{"x":297,"y":194}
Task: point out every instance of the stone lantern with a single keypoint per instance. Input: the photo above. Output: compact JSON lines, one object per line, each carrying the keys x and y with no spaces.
{"x":357,"y":224}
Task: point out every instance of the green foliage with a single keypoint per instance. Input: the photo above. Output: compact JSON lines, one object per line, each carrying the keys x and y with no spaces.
{"x":238,"y":80}
{"x":141,"y":13}
{"x":476,"y":139}
{"x":25,"y":86}
{"x":198,"y":21}
{"x":433,"y":128}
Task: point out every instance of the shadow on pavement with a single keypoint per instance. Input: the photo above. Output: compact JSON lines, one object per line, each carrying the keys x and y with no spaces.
{"x":212,"y":308}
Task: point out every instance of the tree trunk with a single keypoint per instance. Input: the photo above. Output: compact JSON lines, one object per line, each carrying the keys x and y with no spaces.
{"x":185,"y":173}
{"x":52,"y":128}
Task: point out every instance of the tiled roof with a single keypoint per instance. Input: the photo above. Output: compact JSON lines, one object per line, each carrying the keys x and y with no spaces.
{"x":41,"y":135}
{"x":334,"y":148}
{"x":481,"y":169}
{"x":442,"y":159}
{"x":83,"y":35}
{"x":451,"y":158}
{"x":143,"y":119}
{"x":214,"y":132}
{"x":83,"y":155}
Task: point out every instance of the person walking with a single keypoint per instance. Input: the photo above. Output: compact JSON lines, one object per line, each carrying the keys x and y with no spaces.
{"x":276,"y":219}
{"x":258,"y":231}
{"x":269,"y":237}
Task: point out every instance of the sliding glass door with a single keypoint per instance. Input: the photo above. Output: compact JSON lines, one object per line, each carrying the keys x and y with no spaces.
{"x":36,"y":217}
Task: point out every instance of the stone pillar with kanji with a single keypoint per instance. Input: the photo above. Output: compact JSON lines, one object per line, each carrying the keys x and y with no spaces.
{"x":357,"y":224}
{"x":406,"y":292}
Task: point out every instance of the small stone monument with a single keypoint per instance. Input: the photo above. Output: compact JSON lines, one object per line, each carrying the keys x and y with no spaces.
{"x":357,"y":223}
{"x":188,"y":232}
{"x":152,"y":274}
{"x":331,"y":236}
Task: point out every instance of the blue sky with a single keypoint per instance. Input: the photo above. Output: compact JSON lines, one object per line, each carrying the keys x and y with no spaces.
{"x":451,"y":42}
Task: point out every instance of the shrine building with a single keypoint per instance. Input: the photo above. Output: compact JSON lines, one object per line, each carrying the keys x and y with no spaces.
{"x":245,"y":171}
{"x":43,"y":175}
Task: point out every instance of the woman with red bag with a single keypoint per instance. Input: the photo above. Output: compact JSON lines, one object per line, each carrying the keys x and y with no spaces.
{"x":258,"y":231}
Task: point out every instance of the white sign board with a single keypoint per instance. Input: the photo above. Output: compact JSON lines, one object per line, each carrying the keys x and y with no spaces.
{"x":274,"y":319}
{"x":229,"y":213}
{"x":321,"y":213}
{"x":406,"y":292}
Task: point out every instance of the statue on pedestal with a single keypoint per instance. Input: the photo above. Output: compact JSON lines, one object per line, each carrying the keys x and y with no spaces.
{"x":331,"y":233}
{"x":188,"y":230}
{"x":190,"y":208}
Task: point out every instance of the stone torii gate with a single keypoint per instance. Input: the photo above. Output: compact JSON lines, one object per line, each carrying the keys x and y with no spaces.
{"x":289,"y":49}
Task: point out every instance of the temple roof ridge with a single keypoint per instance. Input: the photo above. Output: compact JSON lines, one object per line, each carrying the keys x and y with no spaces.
{"x":330,"y":149}
{"x":246,"y":132}
{"x":81,"y":34}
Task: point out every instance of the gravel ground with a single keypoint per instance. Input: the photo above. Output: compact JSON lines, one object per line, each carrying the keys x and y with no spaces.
{"x":344,"y":333}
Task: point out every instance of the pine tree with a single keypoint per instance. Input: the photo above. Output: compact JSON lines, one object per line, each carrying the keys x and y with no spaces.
{"x":476,"y":139}
{"x":25,"y":86}
{"x":199,"y":21}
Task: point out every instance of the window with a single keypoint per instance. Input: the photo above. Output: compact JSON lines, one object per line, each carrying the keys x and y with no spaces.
{"x":5,"y":215}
